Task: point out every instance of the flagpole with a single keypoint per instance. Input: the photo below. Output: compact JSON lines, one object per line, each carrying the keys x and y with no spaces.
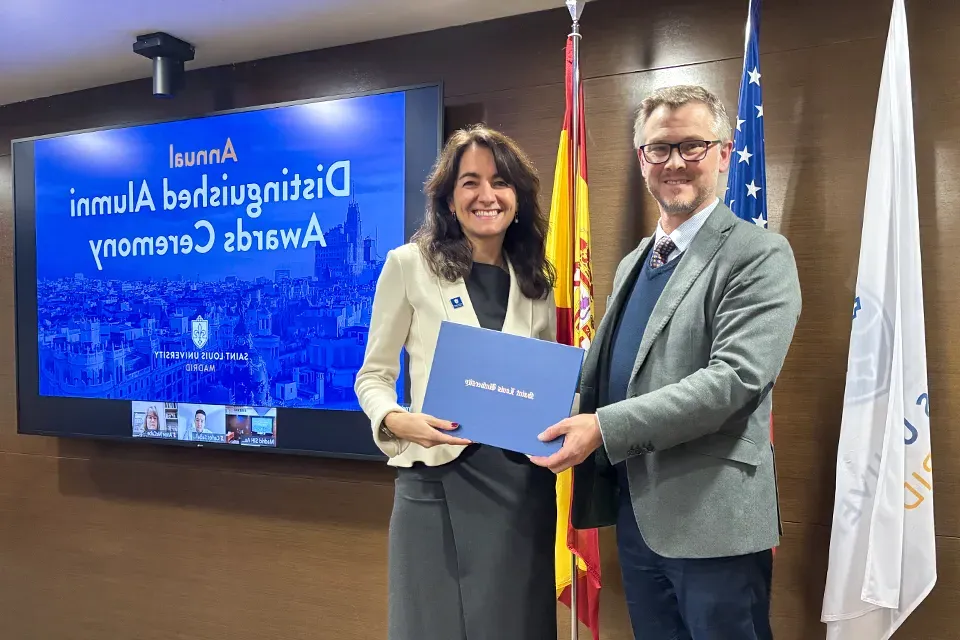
{"x":576,"y":8}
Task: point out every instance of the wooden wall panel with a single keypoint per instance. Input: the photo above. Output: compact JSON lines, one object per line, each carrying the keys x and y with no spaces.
{"x":94,"y":535}
{"x":111,"y":549}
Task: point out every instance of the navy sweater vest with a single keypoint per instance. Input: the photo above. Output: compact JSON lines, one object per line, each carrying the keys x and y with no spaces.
{"x":632,"y":323}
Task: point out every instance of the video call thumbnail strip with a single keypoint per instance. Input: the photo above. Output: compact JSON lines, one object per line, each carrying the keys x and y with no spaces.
{"x":205,"y":423}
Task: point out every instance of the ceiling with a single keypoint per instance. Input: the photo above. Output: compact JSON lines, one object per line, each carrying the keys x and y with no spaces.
{"x":49,"y":47}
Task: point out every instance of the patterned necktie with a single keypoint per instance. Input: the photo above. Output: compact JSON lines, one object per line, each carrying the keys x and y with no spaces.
{"x":660,"y":252}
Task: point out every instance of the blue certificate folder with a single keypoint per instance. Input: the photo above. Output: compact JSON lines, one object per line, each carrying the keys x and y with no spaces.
{"x":502,"y":389}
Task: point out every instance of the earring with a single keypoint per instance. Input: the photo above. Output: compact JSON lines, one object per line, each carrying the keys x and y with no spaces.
{"x":516,"y":219}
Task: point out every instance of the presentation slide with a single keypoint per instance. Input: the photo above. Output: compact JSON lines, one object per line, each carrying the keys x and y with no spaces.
{"x":209,"y":282}
{"x":217,"y":261}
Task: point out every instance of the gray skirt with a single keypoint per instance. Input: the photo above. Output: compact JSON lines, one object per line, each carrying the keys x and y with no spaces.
{"x":471,"y":552}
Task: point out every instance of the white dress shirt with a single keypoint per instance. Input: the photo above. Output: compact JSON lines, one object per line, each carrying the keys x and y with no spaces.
{"x":683,"y":235}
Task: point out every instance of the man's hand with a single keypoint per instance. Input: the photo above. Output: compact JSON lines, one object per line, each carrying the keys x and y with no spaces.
{"x":582,"y":438}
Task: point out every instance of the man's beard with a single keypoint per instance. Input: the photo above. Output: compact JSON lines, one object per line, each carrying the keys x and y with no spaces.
{"x":679,"y":207}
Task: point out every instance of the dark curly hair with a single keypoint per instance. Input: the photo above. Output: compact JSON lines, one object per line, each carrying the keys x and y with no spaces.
{"x":442,"y":241}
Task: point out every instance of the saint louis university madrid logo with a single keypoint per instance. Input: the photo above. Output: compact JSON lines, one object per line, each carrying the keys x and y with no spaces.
{"x":871,"y":350}
{"x":199,"y":332}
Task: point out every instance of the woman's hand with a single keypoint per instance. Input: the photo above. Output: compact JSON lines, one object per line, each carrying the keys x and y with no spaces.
{"x":421,"y":428}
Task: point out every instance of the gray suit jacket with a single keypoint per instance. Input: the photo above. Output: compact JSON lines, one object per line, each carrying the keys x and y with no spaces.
{"x":695,"y":427}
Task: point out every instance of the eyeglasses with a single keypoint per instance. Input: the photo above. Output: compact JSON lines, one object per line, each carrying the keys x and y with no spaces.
{"x":690,"y":150}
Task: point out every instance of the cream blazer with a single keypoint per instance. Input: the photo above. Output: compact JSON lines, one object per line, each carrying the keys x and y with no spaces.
{"x":408,"y":307}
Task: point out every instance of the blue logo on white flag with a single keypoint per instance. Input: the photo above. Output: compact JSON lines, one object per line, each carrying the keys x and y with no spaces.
{"x":871,"y":350}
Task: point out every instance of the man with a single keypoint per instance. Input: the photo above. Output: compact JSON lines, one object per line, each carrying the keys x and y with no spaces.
{"x":673,"y":440}
{"x":199,"y":427}
{"x":200,"y":422}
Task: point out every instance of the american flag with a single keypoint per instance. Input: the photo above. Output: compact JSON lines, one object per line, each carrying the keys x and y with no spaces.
{"x":746,"y":184}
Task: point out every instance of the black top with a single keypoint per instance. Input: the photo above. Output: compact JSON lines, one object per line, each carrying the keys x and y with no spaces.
{"x":489,"y":289}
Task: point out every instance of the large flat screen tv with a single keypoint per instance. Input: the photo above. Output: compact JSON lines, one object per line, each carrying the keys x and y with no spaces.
{"x":208,"y":282}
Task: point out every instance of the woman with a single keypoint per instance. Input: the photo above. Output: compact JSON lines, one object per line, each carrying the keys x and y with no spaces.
{"x":152,"y":420}
{"x":472,"y":530}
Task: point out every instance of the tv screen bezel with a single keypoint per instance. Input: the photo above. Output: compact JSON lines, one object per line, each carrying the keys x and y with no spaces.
{"x":25,"y":287}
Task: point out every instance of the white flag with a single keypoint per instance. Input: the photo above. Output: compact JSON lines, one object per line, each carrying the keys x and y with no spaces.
{"x":882,"y":555}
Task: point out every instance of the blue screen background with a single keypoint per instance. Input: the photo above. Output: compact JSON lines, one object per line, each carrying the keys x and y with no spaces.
{"x":285,"y":327}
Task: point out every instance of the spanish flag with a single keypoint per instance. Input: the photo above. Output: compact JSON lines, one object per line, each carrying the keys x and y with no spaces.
{"x":568,"y":248}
